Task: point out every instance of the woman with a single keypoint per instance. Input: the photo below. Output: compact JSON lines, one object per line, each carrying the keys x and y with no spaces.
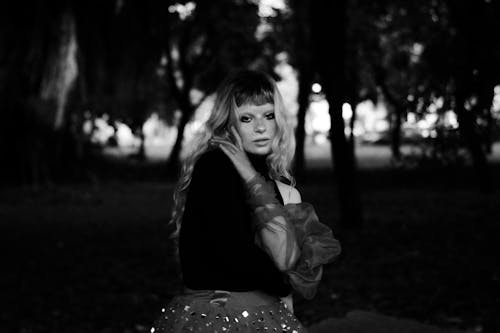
{"x":242,"y":240}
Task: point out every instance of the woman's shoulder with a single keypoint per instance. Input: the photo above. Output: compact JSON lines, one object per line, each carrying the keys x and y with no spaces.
{"x":214,"y":162}
{"x":289,"y":193}
{"x":211,"y":157}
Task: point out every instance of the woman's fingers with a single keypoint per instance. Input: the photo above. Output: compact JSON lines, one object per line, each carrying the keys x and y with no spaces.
{"x":226,"y":151}
{"x":237,"y":136}
{"x":223,"y":142}
{"x":237,"y":155}
{"x":226,"y":144}
{"x":229,"y":153}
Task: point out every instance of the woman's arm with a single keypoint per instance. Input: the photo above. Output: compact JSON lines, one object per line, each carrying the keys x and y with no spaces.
{"x":215,"y":234}
{"x":290,"y":195}
{"x":277,"y":235}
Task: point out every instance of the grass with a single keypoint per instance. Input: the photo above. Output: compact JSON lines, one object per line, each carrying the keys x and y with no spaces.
{"x":95,"y":258}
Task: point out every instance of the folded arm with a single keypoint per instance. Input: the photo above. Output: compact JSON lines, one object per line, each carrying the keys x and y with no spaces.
{"x":276,"y":234}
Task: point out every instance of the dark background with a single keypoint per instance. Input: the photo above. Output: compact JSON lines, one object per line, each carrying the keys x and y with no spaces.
{"x":84,"y":221}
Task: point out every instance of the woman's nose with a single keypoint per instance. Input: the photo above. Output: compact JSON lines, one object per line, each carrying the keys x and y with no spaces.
{"x":260,"y":127}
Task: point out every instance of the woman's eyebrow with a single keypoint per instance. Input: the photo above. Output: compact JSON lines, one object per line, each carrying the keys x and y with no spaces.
{"x":255,"y":112}
{"x":266,"y":110}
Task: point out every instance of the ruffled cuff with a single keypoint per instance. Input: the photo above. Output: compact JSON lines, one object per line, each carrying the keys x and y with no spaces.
{"x":317,"y":247}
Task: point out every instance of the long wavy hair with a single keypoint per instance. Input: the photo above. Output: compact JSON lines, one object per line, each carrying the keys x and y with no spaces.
{"x":240,"y":88}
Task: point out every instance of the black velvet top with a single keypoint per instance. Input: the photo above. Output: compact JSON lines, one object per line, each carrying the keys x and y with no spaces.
{"x":216,"y":245}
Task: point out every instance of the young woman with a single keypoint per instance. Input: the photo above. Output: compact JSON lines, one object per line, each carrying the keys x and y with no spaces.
{"x":245,"y":239}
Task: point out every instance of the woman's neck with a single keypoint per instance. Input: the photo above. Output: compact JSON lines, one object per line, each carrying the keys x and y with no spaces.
{"x":259,"y":162}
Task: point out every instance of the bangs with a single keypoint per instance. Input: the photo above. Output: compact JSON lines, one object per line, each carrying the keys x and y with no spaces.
{"x":253,"y":88}
{"x":260,"y":98}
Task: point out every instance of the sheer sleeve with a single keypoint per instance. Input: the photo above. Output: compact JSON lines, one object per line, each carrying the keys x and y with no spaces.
{"x":301,"y":243}
{"x":275,"y":234}
{"x":317,"y":246}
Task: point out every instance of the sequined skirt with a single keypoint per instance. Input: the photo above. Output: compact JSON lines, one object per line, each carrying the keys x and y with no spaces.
{"x":223,"y":311}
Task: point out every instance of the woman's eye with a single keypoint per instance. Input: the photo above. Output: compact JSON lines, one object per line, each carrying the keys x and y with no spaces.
{"x":270,"y":115}
{"x":245,"y":119}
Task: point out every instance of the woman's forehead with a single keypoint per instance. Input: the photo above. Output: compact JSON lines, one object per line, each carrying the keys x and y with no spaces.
{"x":258,"y":96}
{"x":254,"y":108}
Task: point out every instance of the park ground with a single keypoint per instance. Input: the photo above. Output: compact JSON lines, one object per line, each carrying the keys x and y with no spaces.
{"x":95,"y":257}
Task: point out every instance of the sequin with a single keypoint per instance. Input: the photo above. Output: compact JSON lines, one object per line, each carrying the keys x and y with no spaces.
{"x":189,"y":316}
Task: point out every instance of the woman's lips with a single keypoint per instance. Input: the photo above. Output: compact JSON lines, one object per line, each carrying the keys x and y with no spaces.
{"x":261,"y":142}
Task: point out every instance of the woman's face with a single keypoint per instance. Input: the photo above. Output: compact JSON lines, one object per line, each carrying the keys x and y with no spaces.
{"x":256,"y":126}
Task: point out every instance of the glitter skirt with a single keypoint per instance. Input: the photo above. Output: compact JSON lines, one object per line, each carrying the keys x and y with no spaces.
{"x":223,"y":311}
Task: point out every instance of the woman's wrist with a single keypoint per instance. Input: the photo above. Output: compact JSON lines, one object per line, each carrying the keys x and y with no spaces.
{"x":260,"y":192}
{"x":249,"y":176}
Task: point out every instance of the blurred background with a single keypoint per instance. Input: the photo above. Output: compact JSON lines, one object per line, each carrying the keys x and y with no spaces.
{"x":396,"y":111}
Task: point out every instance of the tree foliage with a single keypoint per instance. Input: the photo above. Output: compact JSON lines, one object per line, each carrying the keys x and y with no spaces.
{"x":135,"y":57}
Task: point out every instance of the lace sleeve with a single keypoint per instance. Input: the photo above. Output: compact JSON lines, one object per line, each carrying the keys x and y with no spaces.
{"x":270,"y":222}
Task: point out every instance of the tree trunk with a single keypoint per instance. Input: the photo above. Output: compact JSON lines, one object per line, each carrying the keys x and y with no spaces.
{"x":472,"y":25}
{"x":300,"y":131}
{"x":352,"y":123}
{"x":141,"y":153}
{"x":398,"y":109}
{"x":483,"y":109}
{"x":305,"y":77}
{"x":174,"y":161}
{"x":328,"y":22}
{"x":40,"y":72}
{"x":344,"y":166}
{"x":396,"y":134}
{"x":468,"y":132}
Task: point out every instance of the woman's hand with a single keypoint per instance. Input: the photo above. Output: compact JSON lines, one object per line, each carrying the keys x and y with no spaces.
{"x":236,"y":154}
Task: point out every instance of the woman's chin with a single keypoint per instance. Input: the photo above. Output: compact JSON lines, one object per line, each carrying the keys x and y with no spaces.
{"x":259,"y":150}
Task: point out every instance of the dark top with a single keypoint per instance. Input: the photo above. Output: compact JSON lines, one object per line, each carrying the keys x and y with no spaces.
{"x":216,"y":244}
